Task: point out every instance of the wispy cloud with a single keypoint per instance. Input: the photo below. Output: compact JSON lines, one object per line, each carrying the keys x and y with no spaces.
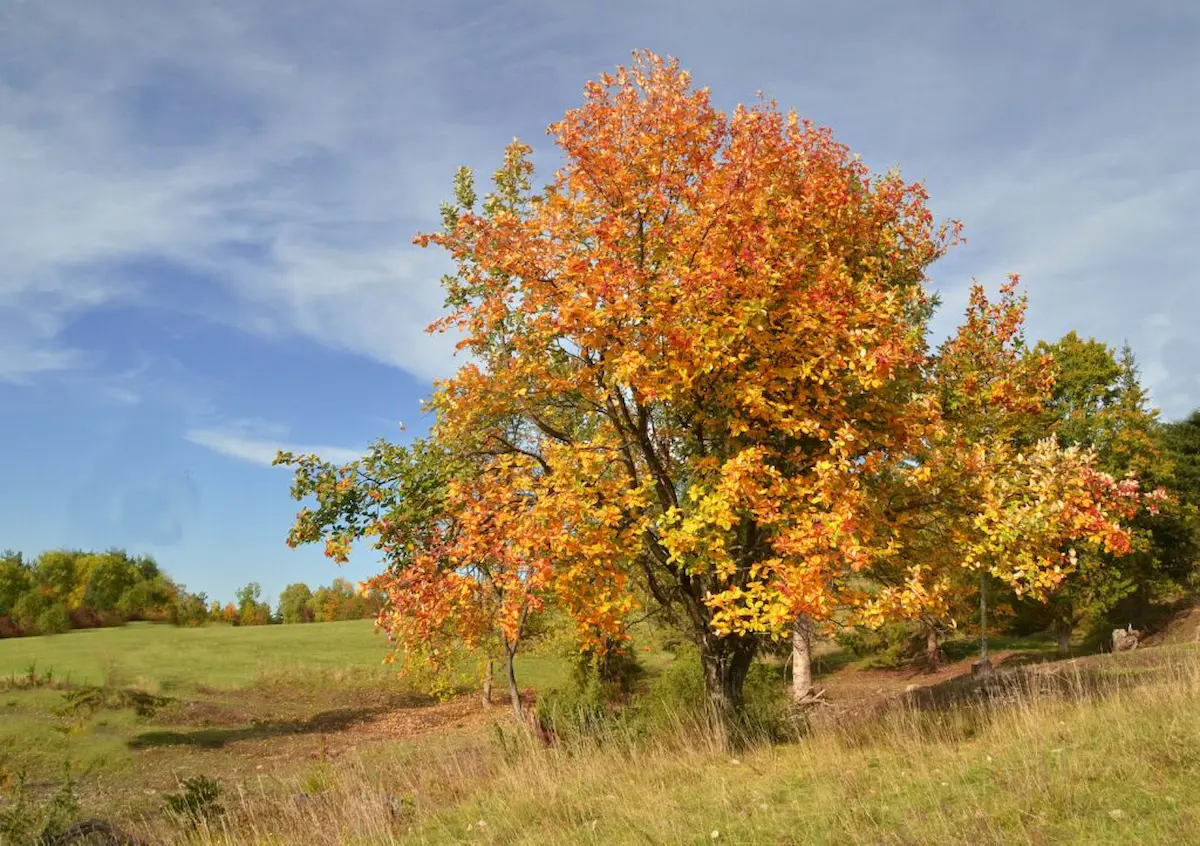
{"x":283,"y":156}
{"x":242,"y":442}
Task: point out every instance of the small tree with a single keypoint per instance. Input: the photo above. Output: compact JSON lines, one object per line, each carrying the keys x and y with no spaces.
{"x":455,"y":576}
{"x":294,"y":604}
{"x":250,"y":611}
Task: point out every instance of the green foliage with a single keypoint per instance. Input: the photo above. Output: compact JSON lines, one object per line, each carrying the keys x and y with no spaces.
{"x":589,"y":711}
{"x":108,"y":578}
{"x":341,"y":600}
{"x":1181,"y":439}
{"x":191,"y":609}
{"x":63,"y":589}
{"x":25,"y":821}
{"x":1098,"y":402}
{"x":196,"y":802}
{"x":55,"y":619}
{"x":294,"y":604}
{"x":16,"y":578}
{"x":887,"y":647}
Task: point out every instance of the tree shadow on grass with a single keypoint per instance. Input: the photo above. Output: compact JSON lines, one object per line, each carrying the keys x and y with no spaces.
{"x":960,"y":708}
{"x":1027,"y":676}
{"x":215,"y":738}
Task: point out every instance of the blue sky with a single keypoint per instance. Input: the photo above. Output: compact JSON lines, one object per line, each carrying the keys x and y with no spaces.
{"x":208,"y":212}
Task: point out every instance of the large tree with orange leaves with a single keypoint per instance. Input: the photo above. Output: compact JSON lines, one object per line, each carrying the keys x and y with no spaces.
{"x":698,"y":373}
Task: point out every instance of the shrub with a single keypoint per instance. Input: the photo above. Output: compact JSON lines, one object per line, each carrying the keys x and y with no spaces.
{"x":54,"y":620}
{"x":24,"y":821}
{"x":9,"y":628}
{"x":85,"y":618}
{"x":885,"y":648}
{"x":196,"y":802}
{"x":677,"y":701}
{"x":578,"y":713}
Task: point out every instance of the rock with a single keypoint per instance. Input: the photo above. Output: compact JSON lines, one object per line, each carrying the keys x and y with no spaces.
{"x":1125,"y":639}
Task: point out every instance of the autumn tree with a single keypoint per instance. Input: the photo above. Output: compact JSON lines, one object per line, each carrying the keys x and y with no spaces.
{"x":458,"y":571}
{"x":699,"y":373}
{"x":700,"y":337}
{"x":250,"y":610}
{"x":991,"y":500}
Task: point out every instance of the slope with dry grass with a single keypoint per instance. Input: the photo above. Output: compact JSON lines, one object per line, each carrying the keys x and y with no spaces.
{"x":1099,"y":750}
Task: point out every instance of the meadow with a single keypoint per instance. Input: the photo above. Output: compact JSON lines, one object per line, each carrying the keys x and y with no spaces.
{"x":312,"y":740}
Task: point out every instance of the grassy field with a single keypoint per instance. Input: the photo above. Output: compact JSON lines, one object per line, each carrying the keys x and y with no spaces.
{"x":234,"y":696}
{"x":314,"y":742}
{"x":169,"y":660}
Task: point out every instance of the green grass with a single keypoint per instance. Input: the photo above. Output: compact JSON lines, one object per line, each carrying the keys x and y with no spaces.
{"x":176,"y":661}
{"x":235,"y":692}
{"x":1105,"y":750}
{"x":171,"y":659}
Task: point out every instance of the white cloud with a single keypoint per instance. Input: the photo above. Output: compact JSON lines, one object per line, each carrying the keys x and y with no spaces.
{"x":291,"y":180}
{"x":285,"y":155}
{"x":237,"y":442}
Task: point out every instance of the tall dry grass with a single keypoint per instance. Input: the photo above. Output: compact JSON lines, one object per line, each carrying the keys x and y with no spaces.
{"x":1099,"y":751}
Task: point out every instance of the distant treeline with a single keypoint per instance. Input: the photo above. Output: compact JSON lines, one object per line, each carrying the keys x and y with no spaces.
{"x":61,"y":590}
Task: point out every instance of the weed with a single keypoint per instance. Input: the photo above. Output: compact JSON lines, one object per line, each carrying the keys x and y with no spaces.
{"x":25,"y":821}
{"x":196,"y":802}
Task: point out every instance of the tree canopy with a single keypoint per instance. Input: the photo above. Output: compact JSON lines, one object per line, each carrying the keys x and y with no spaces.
{"x":699,"y":380}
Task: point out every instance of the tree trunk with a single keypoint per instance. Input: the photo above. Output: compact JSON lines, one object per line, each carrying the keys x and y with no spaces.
{"x":726,"y":661}
{"x":933,"y":649}
{"x":487,"y":683}
{"x":802,"y":633}
{"x":511,"y":673}
{"x":1062,"y":630}
{"x":984,"y":666}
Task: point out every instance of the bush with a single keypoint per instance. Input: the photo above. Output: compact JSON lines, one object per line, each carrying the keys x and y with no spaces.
{"x":24,"y":821}
{"x":578,"y":713}
{"x":9,"y":628}
{"x":54,"y":620}
{"x":85,"y":618}
{"x":678,"y":700}
{"x":196,"y":802}
{"x":885,"y":648}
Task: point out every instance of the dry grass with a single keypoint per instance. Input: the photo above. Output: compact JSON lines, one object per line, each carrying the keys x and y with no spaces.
{"x":1103,"y":750}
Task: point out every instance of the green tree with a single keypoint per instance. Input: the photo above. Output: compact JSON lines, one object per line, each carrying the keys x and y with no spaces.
{"x":1179,"y":540}
{"x":1098,"y":402}
{"x":1181,"y":440}
{"x":16,"y":579}
{"x":188,"y":609}
{"x":294,"y":604}
{"x":30,"y":606}
{"x":148,"y":599}
{"x":109,"y":576}
{"x":57,"y":572}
